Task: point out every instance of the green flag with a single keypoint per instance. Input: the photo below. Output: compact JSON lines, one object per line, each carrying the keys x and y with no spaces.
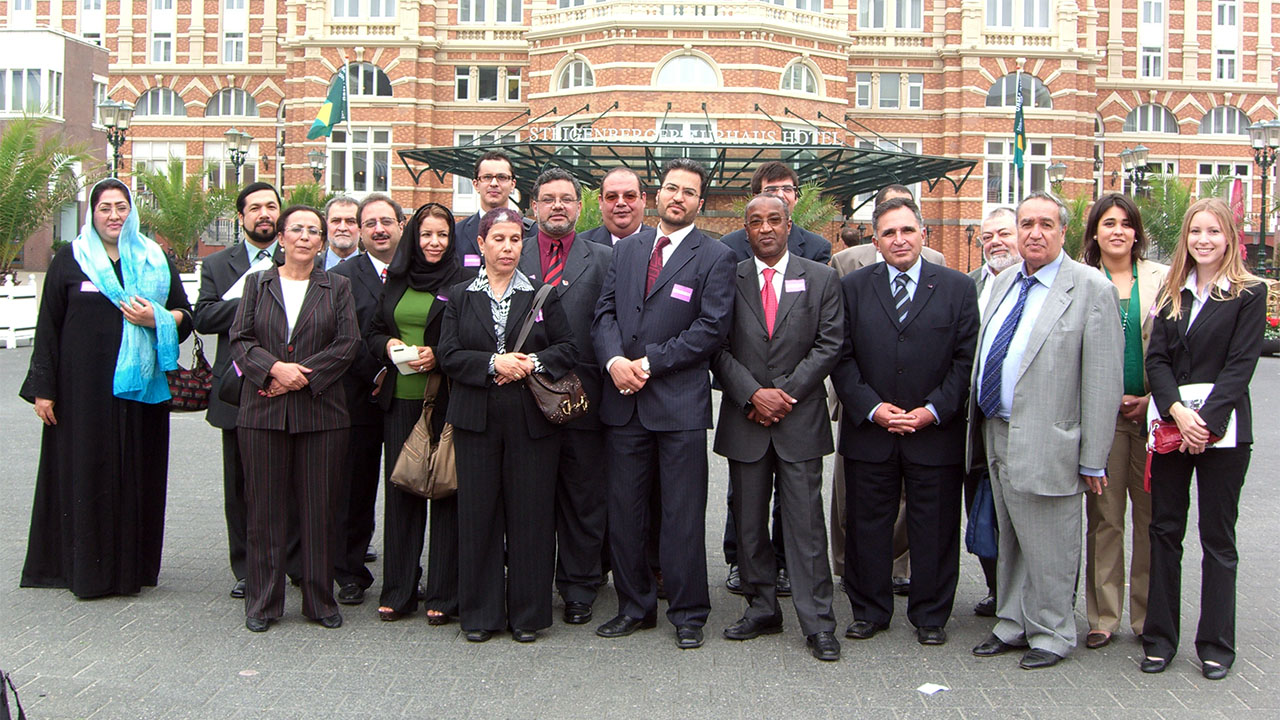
{"x":1019,"y":127}
{"x":334,"y":109}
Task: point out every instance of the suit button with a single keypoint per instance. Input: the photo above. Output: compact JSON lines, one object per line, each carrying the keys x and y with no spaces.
{"x":1183,"y":377}
{"x":633,"y":337}
{"x":902,"y":338}
{"x":289,"y":348}
{"x":899,"y":371}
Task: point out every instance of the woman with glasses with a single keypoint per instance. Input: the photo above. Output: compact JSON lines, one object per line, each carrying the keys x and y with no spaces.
{"x":294,"y":336}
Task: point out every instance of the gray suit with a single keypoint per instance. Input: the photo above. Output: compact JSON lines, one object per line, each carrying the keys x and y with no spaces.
{"x":808,"y":334}
{"x":1062,"y":417}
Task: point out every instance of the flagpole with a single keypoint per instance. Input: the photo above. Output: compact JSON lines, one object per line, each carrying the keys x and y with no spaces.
{"x":1018,"y":183}
{"x":346,"y":95}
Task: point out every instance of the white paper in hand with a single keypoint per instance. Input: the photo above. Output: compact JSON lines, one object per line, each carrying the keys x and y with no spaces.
{"x":402,"y":355}
{"x":237,"y":289}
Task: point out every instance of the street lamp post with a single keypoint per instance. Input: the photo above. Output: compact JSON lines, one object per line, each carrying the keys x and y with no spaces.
{"x":1057,"y":174}
{"x":1265,"y":139}
{"x":1134,"y":163}
{"x":115,"y":117}
{"x":237,"y":152}
{"x":316,"y":160}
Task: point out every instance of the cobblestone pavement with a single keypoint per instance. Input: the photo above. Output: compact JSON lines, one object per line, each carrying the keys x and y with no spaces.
{"x":180,"y":650}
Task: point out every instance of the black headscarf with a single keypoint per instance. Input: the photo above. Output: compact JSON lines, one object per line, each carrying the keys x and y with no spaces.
{"x":411,"y":263}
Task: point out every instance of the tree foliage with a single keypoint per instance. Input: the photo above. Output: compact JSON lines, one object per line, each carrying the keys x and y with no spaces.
{"x":1162,"y":206}
{"x":37,"y":177}
{"x":590,"y":216}
{"x":1078,"y":212}
{"x":178,"y":209}
{"x":309,"y":194}
{"x":813,"y":211}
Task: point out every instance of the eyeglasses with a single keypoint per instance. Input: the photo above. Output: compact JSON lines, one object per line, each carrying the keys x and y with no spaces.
{"x":311,"y":230}
{"x":782,"y":189}
{"x":673,"y":189}
{"x":373,"y":223}
{"x":772,"y":221}
{"x":501,"y":178}
{"x":552,"y":201}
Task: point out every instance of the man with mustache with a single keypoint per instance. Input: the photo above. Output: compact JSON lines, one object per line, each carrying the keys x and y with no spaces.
{"x":622,"y":202}
{"x":494,"y":180}
{"x":344,"y":238}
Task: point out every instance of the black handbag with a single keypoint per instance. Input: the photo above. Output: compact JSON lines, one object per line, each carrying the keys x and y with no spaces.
{"x":559,"y":400}
{"x":189,"y":388}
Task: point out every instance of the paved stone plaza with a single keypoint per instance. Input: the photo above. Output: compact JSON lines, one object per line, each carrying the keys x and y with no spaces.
{"x":180,"y":650}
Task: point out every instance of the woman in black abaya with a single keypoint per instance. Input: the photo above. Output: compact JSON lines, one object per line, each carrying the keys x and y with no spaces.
{"x":111,"y":317}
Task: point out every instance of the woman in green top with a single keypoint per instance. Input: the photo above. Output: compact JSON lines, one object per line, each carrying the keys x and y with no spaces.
{"x":1115,"y":243}
{"x":412,"y":304}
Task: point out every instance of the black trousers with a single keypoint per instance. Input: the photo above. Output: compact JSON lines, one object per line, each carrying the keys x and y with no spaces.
{"x":237,"y":513}
{"x":290,"y":470}
{"x":731,"y":532}
{"x":971,"y":480}
{"x":506,"y":499}
{"x":580,"y":514}
{"x":872,"y":491}
{"x":682,"y":474}
{"x":1219,"y":478}
{"x":353,"y":511}
{"x":404,"y":524}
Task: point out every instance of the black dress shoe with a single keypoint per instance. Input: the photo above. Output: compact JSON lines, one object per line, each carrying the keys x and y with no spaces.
{"x":577,"y":613}
{"x":523,"y":636}
{"x":901,"y":586}
{"x":823,"y":645}
{"x":662,"y":587}
{"x":237,"y":590}
{"x":993,"y":646}
{"x":1153,"y":665}
{"x":351,"y":594}
{"x":864,"y":629}
{"x":733,"y":583}
{"x":1213,"y":671}
{"x":928,"y":635}
{"x":333,"y":622}
{"x":624,"y":625}
{"x":748,"y":628}
{"x":254,"y":624}
{"x":1035,"y":658}
{"x":782,"y":585}
{"x":986,"y":607}
{"x":688,"y":637}
{"x":370,"y":555}
{"x":477,"y":635}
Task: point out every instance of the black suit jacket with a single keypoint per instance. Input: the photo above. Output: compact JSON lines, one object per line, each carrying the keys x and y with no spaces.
{"x":213,"y":316}
{"x":325,"y":339}
{"x":1221,"y":347}
{"x":467,"y":342}
{"x":579,"y":291}
{"x":927,"y":359}
{"x":800,"y":242}
{"x":383,"y":327}
{"x":366,"y":289}
{"x":600,"y":234}
{"x":465,"y":233}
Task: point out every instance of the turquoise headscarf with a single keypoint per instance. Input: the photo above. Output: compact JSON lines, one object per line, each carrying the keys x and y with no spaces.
{"x":145,"y":353}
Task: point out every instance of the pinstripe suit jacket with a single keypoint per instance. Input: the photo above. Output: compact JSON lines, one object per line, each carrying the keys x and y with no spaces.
{"x":325,"y":339}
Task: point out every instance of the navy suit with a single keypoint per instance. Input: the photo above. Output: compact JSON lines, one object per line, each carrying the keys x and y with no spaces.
{"x":809,"y":245}
{"x":601,"y":234}
{"x":465,"y":233}
{"x":678,"y":326}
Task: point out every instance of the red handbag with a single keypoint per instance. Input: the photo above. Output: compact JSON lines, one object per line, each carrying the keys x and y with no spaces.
{"x":1165,"y":438}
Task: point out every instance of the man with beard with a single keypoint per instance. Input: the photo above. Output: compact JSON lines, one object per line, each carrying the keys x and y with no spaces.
{"x":494,"y":180}
{"x":665,"y":311}
{"x":577,"y":270}
{"x":622,"y":202}
{"x":222,"y":278}
{"x":344,"y":240}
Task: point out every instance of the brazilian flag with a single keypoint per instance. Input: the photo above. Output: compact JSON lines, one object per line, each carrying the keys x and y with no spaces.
{"x":1019,"y":127}
{"x":334,"y":109}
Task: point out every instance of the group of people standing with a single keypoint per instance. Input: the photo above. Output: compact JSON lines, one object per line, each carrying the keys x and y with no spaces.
{"x":1035,"y":375}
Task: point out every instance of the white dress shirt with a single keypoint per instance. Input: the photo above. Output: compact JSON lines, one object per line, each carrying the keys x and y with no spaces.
{"x":378,"y":267}
{"x":1198,"y":300}
{"x":676,"y":238}
{"x":780,"y":266}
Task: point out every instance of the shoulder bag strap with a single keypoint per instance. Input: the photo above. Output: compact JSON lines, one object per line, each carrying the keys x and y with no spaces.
{"x":538,"y":300}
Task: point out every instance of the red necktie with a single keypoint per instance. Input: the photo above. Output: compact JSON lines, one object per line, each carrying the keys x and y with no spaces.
{"x":556,"y":266}
{"x":382,"y":275}
{"x":655,"y":264}
{"x":769,"y":299}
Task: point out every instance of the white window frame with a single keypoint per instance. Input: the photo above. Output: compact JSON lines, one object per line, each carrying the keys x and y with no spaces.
{"x":233,"y":48}
{"x":462,"y":83}
{"x":232,"y":102}
{"x":800,"y":78}
{"x":1220,"y":117}
{"x":1035,"y":14}
{"x":220,"y":172}
{"x":1226,"y":13}
{"x":345,"y":9}
{"x":165,"y":100}
{"x":862,"y":91}
{"x":161,"y":47}
{"x":891,"y":100}
{"x":1151,"y":62}
{"x":508,"y":12}
{"x":909,"y":14}
{"x":1151,"y":12}
{"x":1224,"y":64}
{"x":361,"y":74}
{"x":1151,"y":118}
{"x":999,"y":13}
{"x":471,"y":11}
{"x":513,"y":84}
{"x":361,"y":154}
{"x":915,"y":91}
{"x":1003,"y":191}
{"x":871,"y":15}
{"x":575,"y":76}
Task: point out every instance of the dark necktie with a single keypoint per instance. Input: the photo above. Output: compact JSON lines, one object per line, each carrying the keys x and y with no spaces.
{"x":770,"y":300}
{"x":556,"y":267}
{"x":900,"y":298}
{"x":261,"y":254}
{"x":655,"y":264}
{"x":993,"y":367}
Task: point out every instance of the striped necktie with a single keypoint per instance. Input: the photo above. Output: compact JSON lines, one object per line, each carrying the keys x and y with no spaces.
{"x":993,"y":368}
{"x":655,"y":264}
{"x":900,"y":298}
{"x":555,"y":267}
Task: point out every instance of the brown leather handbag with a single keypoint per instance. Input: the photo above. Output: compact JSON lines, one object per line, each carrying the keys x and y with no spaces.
{"x":425,"y":467}
{"x":559,"y":400}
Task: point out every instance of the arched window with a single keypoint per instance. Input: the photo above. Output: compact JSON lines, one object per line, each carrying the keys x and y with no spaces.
{"x":368,"y":79}
{"x":1035,"y":94}
{"x":576,"y":74}
{"x":1224,"y":120}
{"x":1151,"y":118}
{"x":160,"y":102}
{"x":687,"y":71}
{"x":231,"y":102}
{"x":799,"y":78}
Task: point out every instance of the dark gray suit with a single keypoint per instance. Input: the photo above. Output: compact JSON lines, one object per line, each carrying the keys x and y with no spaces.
{"x":465,"y":233}
{"x":580,"y":495}
{"x":808,"y":334}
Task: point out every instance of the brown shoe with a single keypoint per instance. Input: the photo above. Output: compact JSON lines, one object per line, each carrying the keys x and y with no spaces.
{"x":1097,"y":639}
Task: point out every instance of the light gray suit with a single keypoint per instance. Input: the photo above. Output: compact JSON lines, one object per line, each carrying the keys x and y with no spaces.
{"x":1063,"y":413}
{"x":806,"y":342}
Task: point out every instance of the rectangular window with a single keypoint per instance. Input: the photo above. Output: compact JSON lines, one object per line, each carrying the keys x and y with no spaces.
{"x":91,"y":4}
{"x":360,"y":162}
{"x":863,"y":90}
{"x":889,"y":90}
{"x":508,"y":11}
{"x":17,"y":95}
{"x":4,"y":96}
{"x":810,"y":5}
{"x":1153,"y":12}
{"x":233,"y":4}
{"x":382,"y":8}
{"x":23,"y":5}
{"x":487,"y":84}
{"x":513,"y":84}
{"x":471,"y":11}
{"x":910,"y":14}
{"x":99,"y":97}
{"x":1000,"y":13}
{"x":233,"y":47}
{"x":346,"y":8}
{"x":1004,"y":184}
{"x":1225,"y":13}
{"x":1152,"y":64}
{"x":161,"y":48}
{"x":571,"y":3}
{"x":1224,"y":65}
{"x":55,"y":93}
{"x":871,"y":14}
{"x":915,"y":91}
{"x":34,"y":102}
{"x":462,"y":83}
{"x":1035,"y":13}
{"x":161,"y":4}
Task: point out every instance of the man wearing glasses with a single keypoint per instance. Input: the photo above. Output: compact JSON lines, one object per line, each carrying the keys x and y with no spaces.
{"x":494,"y":181}
{"x":665,"y":310}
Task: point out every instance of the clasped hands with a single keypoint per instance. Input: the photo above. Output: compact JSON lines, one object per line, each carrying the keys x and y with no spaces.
{"x":1194,"y":430}
{"x":769,"y":406}
{"x":285,"y":377}
{"x":899,"y":421}
{"x":628,"y":375}
{"x":510,"y":367}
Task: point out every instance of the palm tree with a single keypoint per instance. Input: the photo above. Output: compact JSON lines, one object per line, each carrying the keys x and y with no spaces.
{"x":309,"y":194}
{"x":177,"y":209}
{"x":590,"y":215}
{"x":1162,"y":206}
{"x":37,"y":177}
{"x":813,"y":211}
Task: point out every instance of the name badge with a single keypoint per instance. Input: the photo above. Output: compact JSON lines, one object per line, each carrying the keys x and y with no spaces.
{"x":88,"y":286}
{"x":442,"y":298}
{"x":682,"y":293}
{"x":793,"y":285}
{"x":538,"y":317}
{"x":471,"y":260}
{"x":236,"y":367}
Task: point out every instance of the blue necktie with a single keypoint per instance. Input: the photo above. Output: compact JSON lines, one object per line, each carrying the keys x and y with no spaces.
{"x":989,"y":391}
